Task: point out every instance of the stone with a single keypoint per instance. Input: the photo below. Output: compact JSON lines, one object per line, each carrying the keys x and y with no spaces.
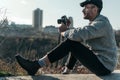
{"x":54,"y":77}
{"x":114,"y":76}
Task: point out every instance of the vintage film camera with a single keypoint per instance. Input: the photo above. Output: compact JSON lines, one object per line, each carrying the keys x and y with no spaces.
{"x":63,"y":20}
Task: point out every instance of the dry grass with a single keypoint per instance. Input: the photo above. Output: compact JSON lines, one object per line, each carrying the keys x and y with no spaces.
{"x":14,"y":69}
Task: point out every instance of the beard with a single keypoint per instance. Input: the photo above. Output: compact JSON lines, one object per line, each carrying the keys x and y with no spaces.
{"x":86,"y":15}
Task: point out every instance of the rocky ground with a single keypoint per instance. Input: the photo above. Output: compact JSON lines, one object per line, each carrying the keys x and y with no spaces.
{"x":114,"y":76}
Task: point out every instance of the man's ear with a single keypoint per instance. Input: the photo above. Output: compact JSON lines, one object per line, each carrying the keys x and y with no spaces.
{"x":96,"y":10}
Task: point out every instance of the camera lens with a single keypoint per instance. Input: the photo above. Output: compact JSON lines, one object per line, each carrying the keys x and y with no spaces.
{"x":59,"y":21}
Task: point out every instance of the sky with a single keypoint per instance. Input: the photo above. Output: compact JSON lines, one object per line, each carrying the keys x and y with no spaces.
{"x":20,"y":11}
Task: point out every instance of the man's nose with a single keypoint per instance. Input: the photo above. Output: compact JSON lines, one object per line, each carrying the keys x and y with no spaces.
{"x":83,"y":10}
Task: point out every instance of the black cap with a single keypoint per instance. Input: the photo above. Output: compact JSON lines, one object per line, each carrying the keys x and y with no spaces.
{"x":98,"y":3}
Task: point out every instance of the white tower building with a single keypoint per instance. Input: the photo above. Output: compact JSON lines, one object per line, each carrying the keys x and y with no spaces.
{"x":38,"y":19}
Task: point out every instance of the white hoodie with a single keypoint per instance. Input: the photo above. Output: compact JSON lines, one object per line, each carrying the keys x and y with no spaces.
{"x":99,"y":36}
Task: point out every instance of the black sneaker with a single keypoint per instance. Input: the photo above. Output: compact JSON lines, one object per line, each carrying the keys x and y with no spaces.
{"x":30,"y":66}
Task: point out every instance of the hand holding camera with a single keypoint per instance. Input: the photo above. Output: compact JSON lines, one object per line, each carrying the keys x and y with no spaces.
{"x":65,"y":22}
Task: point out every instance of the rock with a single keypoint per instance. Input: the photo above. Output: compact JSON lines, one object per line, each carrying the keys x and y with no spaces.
{"x":54,"y":77}
{"x":114,"y":76}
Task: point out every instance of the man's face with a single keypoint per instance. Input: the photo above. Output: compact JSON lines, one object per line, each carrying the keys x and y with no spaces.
{"x":90,"y":11}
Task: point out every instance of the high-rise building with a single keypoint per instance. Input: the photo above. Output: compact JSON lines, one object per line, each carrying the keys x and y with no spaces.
{"x":38,"y":19}
{"x":71,"y":20}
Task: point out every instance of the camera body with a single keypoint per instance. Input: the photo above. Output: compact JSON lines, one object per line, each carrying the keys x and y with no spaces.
{"x":63,"y":20}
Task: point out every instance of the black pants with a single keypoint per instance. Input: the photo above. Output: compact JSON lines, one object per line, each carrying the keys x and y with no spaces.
{"x":71,"y":61}
{"x":81,"y":53}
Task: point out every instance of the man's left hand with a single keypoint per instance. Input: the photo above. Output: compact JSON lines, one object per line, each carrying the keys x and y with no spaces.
{"x":63,"y":28}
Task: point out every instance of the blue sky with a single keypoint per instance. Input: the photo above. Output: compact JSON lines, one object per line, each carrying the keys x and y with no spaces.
{"x":21,"y":11}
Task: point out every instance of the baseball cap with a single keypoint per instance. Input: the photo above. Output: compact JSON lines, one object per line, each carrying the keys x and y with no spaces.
{"x":98,"y":3}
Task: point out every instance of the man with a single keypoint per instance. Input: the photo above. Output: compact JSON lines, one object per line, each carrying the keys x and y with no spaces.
{"x":93,"y":45}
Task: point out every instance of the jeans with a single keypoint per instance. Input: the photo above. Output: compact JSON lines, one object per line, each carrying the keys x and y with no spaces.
{"x":79,"y":52}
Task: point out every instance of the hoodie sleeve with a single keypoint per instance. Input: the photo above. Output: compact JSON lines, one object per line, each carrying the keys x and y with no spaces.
{"x":95,"y":30}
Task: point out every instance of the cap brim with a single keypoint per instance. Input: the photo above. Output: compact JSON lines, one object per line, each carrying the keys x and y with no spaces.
{"x":84,"y":3}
